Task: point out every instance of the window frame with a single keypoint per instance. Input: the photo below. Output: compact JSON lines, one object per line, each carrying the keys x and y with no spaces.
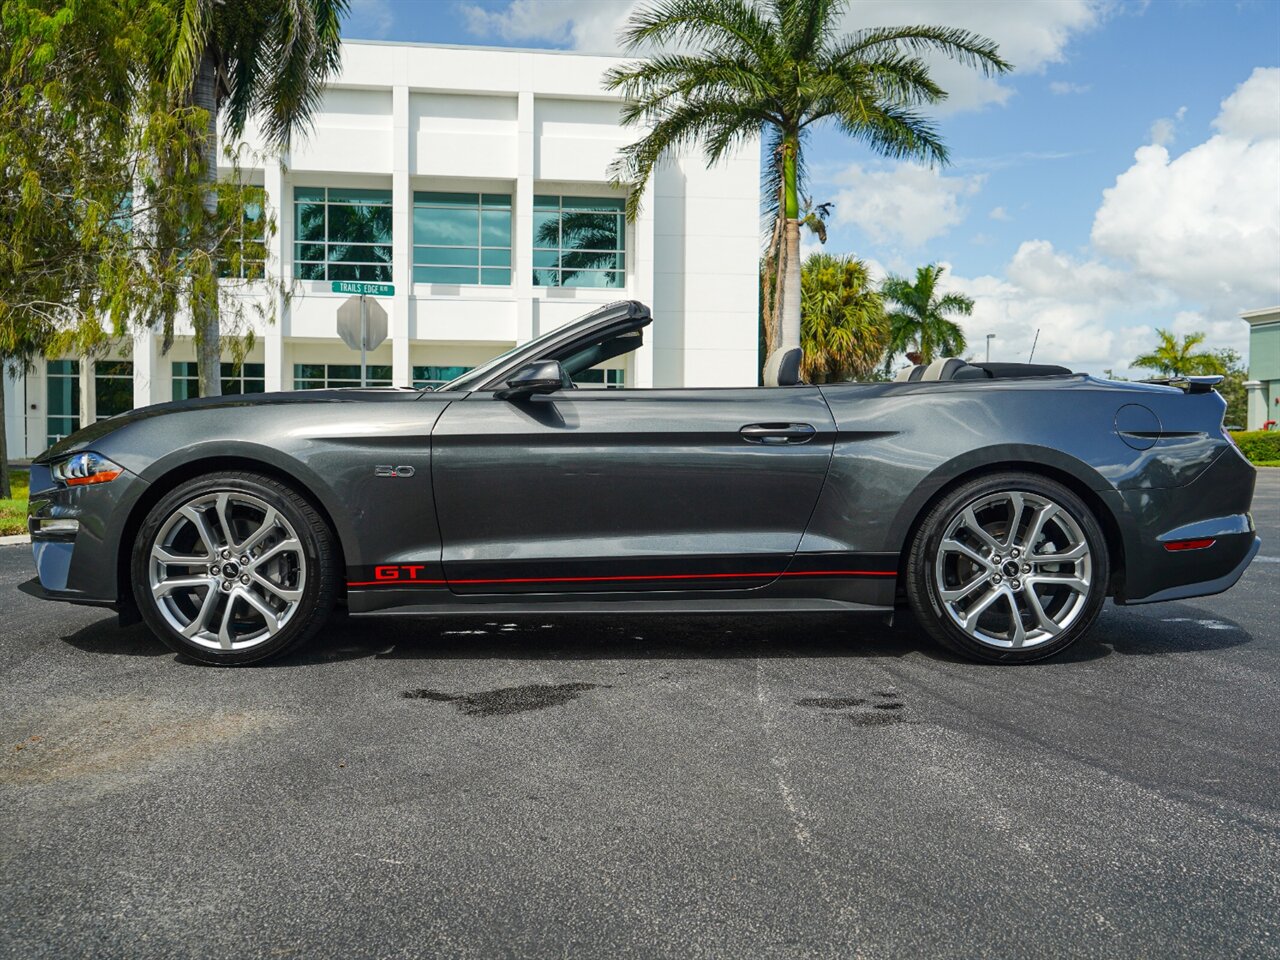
{"x":330,"y":382}
{"x":498,"y":203}
{"x":576,"y":204}
{"x":380,"y":271}
{"x":240,"y":380}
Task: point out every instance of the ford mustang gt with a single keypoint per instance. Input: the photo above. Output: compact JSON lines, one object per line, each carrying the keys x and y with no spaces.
{"x":1002,"y":502}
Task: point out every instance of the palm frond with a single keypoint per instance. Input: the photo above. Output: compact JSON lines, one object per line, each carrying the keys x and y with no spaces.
{"x":964,"y":46}
{"x":732,"y":24}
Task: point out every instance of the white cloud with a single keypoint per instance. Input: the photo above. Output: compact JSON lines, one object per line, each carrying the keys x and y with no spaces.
{"x":587,"y":25}
{"x":1165,"y":129}
{"x":1030,"y":35}
{"x":1252,"y":112}
{"x":906,"y":203}
{"x":1064,"y":88}
{"x":999,"y":213}
{"x":1078,"y":305}
{"x":1206,"y":223}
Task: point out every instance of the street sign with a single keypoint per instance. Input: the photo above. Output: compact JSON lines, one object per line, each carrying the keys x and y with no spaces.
{"x":362,"y":325}
{"x":364,"y":288}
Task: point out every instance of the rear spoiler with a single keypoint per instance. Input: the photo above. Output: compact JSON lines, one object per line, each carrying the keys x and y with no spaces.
{"x":1189,"y":384}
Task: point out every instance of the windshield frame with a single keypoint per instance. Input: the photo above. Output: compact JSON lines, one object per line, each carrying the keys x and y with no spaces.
{"x":626,"y":312}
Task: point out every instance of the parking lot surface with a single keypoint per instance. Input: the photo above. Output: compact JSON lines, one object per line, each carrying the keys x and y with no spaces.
{"x":645,"y":786}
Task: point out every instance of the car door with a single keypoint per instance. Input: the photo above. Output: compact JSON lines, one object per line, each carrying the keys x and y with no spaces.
{"x":629,"y":490}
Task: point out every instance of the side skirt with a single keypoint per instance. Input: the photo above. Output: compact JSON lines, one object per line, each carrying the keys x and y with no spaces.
{"x":542,"y":607}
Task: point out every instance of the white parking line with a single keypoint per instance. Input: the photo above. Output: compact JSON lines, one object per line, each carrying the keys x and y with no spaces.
{"x":1267,"y":559}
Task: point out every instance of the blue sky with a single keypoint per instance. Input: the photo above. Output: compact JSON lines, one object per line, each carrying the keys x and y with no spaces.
{"x":1120,"y":97}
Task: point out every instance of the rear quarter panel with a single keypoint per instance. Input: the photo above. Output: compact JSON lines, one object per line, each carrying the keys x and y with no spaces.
{"x":898,"y":445}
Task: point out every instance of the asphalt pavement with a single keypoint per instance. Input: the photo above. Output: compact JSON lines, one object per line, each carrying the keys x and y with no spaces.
{"x":645,"y":786}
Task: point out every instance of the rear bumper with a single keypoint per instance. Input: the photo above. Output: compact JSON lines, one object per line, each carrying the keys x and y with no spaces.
{"x":1203,"y":588}
{"x":1215,"y":506}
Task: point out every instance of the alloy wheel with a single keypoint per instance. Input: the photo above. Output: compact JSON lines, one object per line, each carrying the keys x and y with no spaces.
{"x":227,"y":570}
{"x":1013,"y":569}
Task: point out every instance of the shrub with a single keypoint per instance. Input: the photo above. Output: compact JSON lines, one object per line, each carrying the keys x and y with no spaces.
{"x":1259,"y":445}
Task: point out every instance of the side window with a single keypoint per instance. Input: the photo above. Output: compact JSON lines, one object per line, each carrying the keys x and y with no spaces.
{"x":603,"y":364}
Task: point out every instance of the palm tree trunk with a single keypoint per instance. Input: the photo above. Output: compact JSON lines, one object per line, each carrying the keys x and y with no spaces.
{"x":789,"y":303}
{"x":204,"y":309}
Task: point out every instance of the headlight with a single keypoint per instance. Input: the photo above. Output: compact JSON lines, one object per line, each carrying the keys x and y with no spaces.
{"x":85,"y":468}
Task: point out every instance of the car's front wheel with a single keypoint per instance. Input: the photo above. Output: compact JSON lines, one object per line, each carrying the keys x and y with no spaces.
{"x":234,"y":568}
{"x":1009,"y":568}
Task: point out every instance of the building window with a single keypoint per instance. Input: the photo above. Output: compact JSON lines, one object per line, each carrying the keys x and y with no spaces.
{"x":62,"y":384}
{"x":610,"y":378}
{"x":112,"y":387}
{"x":578,"y":242}
{"x":244,"y":251}
{"x":317,"y":376}
{"x":462,"y":238}
{"x":342,"y":233}
{"x":432,"y":377}
{"x":244,"y":378}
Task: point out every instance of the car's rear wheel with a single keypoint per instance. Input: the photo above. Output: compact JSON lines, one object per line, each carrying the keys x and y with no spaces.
{"x":1008,"y":568}
{"x":234,"y":568}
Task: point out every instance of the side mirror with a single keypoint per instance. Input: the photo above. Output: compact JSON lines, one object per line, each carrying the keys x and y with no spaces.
{"x":541,"y":376}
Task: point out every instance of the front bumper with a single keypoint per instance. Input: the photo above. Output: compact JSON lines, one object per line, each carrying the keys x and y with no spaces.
{"x":79,"y":565}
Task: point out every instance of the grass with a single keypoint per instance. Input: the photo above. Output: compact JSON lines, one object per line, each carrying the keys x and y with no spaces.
{"x":1267,"y":463}
{"x":13,"y":513}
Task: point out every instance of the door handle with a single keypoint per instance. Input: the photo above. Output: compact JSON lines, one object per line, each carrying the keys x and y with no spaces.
{"x":777,"y":433}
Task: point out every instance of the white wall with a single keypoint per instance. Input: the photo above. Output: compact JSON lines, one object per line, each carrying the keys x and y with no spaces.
{"x":410,"y":117}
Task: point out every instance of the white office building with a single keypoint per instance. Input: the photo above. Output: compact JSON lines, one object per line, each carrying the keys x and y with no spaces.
{"x":474,"y":184}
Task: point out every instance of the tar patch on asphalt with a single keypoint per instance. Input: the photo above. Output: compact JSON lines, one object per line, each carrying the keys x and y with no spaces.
{"x":831,"y":703}
{"x":858,"y":711}
{"x":507,"y":700}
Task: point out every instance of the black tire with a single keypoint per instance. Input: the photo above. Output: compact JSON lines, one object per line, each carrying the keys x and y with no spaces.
{"x":993,"y":634}
{"x":297,"y":555}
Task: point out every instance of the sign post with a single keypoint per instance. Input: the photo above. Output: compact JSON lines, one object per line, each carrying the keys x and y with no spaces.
{"x":362,"y":325}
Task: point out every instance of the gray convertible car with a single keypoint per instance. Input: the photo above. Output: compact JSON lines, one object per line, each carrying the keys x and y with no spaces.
{"x":1002,"y":502}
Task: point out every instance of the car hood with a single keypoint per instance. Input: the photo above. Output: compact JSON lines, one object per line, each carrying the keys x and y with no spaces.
{"x":85,"y":438}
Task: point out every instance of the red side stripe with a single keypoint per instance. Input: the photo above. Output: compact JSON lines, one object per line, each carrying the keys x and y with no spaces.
{"x":632,"y":578}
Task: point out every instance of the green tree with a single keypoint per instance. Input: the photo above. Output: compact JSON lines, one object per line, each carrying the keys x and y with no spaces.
{"x":921,"y":324}
{"x":1176,"y":356}
{"x":1235,"y":373}
{"x":843,"y":329}
{"x":98,"y":195}
{"x":266,"y":59}
{"x":738,"y":69}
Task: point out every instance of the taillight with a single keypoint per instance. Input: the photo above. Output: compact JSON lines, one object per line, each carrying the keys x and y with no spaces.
{"x":1173,"y":546}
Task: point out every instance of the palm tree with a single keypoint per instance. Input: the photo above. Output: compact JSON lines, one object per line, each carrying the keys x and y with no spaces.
{"x":843,"y":328}
{"x":742,"y":68}
{"x":267,"y":59}
{"x":1173,"y":357}
{"x":813,"y":217}
{"x":920,"y":324}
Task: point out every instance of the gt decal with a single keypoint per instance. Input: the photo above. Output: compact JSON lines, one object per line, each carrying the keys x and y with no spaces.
{"x":406,"y":572}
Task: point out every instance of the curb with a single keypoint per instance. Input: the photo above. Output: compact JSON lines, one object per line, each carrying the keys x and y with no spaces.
{"x":15,"y":540}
